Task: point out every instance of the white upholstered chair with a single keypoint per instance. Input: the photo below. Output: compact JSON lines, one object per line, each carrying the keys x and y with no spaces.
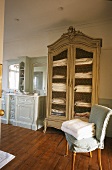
{"x":99,"y":116}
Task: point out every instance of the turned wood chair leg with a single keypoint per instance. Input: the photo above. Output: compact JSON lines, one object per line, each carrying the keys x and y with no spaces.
{"x":90,"y":154}
{"x":73,"y":160}
{"x":99,"y":159}
{"x":66,"y":154}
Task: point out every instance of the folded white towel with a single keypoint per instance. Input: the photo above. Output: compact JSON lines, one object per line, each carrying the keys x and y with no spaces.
{"x":83,"y":75}
{"x":58,"y":87}
{"x":83,"y":88}
{"x":82,"y":61}
{"x":83,"y":114}
{"x":78,"y":126}
{"x":59,"y":100}
{"x":78,"y":136}
{"x":83,"y":104}
{"x":62,"y":62}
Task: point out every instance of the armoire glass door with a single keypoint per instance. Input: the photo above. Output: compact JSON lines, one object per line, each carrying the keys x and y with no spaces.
{"x":83,"y":83}
{"x":59,"y":84}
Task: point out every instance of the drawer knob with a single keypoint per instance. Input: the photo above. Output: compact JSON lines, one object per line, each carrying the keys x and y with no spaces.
{"x":1,"y":112}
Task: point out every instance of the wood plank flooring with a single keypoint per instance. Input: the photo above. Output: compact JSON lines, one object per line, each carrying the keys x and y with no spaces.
{"x":35,"y":150}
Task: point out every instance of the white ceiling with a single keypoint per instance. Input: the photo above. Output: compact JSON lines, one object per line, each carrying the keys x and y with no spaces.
{"x":30,"y":17}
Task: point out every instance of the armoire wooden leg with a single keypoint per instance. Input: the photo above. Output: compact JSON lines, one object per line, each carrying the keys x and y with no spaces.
{"x":99,"y":159}
{"x":66,"y":154}
{"x":73,"y":160}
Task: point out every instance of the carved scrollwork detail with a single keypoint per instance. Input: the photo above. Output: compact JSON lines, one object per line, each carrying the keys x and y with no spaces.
{"x":71,"y":30}
{"x":72,"y":33}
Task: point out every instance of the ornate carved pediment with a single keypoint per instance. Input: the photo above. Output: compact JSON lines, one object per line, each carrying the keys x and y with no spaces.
{"x":72,"y":33}
{"x":73,"y":36}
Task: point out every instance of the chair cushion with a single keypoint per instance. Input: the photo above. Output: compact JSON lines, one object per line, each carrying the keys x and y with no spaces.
{"x":84,"y":145}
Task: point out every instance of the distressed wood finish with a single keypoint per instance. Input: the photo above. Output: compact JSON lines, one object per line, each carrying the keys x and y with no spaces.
{"x":75,"y":45}
{"x":35,"y":150}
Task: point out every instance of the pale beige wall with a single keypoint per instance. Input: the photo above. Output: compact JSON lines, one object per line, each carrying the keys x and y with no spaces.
{"x":106,"y":74}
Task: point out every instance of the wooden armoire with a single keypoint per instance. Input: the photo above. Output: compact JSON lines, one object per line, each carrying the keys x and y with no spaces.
{"x":73,"y":77}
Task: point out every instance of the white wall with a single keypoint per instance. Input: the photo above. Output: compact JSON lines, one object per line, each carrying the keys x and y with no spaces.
{"x":37,"y":46}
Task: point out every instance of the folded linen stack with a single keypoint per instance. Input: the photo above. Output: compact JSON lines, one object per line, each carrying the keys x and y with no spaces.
{"x":83,"y":88}
{"x":82,"y":104}
{"x":62,"y":62}
{"x":82,"y":61}
{"x":58,"y":76}
{"x":78,"y":128}
{"x":83,"y":115}
{"x":59,"y":100}
{"x":83,"y":75}
{"x":58,"y":87}
{"x":58,"y":112}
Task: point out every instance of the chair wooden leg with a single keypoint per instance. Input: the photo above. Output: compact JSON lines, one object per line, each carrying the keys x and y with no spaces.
{"x":73,"y":160}
{"x":99,"y":159}
{"x":66,"y":154}
{"x":90,"y":154}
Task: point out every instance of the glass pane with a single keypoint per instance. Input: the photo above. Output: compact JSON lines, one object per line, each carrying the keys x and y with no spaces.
{"x":38,"y":81}
{"x":83,"y":83}
{"x":14,"y":76}
{"x":59,"y":78}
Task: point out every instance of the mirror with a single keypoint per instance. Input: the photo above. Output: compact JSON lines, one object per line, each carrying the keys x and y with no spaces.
{"x":14,"y":77}
{"x":39,"y":79}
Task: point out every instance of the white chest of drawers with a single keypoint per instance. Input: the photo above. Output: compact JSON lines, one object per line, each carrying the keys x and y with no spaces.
{"x":26,"y":111}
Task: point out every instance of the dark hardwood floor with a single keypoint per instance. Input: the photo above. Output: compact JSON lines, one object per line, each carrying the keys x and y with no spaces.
{"x":35,"y":150}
